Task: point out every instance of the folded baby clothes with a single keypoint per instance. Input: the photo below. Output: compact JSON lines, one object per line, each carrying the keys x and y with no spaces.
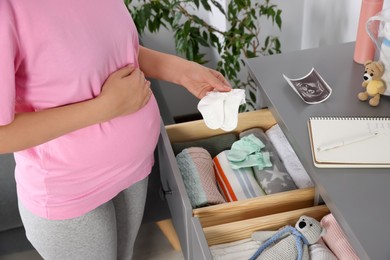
{"x":235,"y":184}
{"x":241,"y":249}
{"x":273,"y":179}
{"x":196,"y":167}
{"x":288,"y":157}
{"x":214,"y":145}
{"x":336,"y":240}
{"x":220,"y":109}
{"x":320,"y":251}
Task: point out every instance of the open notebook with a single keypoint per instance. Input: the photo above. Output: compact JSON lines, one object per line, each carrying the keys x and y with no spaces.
{"x":350,"y":142}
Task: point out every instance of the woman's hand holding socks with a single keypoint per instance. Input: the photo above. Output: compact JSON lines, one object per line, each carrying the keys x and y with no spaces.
{"x":220,"y":109}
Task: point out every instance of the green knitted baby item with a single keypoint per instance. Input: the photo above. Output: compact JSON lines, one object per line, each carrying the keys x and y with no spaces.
{"x":259,"y":160}
{"x":244,"y":147}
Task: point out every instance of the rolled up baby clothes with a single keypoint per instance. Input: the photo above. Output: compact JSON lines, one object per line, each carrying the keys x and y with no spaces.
{"x":273,"y":179}
{"x":196,"y":168}
{"x":235,"y":184}
{"x":335,"y":239}
{"x":288,"y":157}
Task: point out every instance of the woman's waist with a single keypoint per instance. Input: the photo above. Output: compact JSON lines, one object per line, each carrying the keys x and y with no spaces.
{"x":124,"y":139}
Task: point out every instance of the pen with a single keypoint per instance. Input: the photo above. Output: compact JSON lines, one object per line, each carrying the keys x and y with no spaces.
{"x":346,"y":142}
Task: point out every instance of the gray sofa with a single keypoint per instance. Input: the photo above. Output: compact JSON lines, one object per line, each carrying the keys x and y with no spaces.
{"x":12,"y":236}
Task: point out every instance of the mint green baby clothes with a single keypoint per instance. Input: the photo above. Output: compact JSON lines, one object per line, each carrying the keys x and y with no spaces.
{"x":246,"y":152}
{"x":244,"y":147}
{"x":259,"y":160}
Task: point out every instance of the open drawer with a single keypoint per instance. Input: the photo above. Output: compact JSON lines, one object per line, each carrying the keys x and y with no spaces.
{"x":200,"y":228}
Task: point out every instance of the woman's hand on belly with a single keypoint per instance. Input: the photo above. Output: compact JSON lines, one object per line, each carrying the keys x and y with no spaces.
{"x":124,"y":92}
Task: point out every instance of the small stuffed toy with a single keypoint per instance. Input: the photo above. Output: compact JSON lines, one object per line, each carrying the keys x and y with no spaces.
{"x":373,"y":82}
{"x":289,"y":242}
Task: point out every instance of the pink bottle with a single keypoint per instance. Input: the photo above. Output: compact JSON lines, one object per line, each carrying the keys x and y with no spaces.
{"x":365,"y":47}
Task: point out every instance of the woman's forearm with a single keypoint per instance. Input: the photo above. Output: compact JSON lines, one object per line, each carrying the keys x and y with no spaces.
{"x":197,"y":79}
{"x":34,"y":128}
{"x":161,"y":66}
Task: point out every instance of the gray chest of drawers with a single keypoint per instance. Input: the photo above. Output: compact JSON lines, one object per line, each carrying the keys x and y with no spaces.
{"x":200,"y":228}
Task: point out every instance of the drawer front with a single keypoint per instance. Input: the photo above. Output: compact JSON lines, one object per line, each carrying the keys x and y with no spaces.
{"x":175,"y":193}
{"x":200,"y":248}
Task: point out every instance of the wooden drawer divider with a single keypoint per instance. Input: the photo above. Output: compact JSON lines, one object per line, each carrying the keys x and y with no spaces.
{"x":238,"y":230}
{"x":255,"y":207}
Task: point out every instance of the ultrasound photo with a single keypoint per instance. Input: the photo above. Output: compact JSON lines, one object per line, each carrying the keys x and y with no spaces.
{"x":311,"y":88}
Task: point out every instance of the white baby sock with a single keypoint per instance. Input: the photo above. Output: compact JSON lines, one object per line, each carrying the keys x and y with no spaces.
{"x":233,"y":100}
{"x":211,"y":107}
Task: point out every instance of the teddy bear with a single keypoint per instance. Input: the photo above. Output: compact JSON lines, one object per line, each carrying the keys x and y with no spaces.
{"x":288,"y":242}
{"x":373,"y":82}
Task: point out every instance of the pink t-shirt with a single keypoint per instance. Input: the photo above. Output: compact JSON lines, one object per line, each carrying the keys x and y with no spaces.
{"x":54,"y":53}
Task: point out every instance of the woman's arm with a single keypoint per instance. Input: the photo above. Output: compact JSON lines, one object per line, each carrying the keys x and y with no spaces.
{"x":194,"y":77}
{"x":124,"y":92}
{"x":34,"y":128}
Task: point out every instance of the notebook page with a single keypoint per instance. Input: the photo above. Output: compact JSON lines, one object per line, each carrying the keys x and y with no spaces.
{"x":330,"y":130}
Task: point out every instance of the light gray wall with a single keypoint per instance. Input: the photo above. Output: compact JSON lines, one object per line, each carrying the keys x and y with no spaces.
{"x":328,"y":22}
{"x":306,"y":24}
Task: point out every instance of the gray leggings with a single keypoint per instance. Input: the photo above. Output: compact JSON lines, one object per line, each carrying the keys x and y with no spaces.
{"x":107,"y":232}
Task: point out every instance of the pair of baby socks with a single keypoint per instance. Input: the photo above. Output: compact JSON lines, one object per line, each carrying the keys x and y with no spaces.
{"x":220,"y":109}
{"x":246,"y":152}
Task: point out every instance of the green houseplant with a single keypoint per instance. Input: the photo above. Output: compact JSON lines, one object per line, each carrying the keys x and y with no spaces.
{"x":241,"y":40}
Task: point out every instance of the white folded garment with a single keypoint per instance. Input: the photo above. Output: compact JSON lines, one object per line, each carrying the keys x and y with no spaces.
{"x":320,"y":251}
{"x":288,"y":157}
{"x":241,"y":249}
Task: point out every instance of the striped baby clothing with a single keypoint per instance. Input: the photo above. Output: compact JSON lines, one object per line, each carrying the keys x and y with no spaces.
{"x":235,"y":184}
